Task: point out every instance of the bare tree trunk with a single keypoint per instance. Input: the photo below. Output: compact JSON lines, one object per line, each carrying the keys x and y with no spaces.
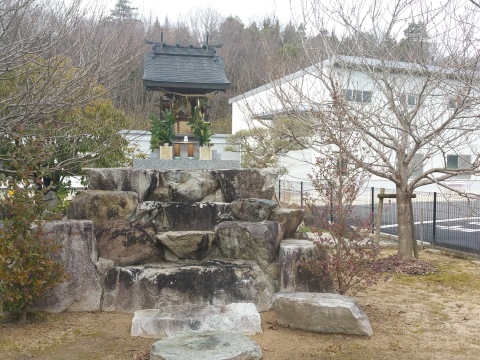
{"x":414,"y":236}
{"x":405,"y":238}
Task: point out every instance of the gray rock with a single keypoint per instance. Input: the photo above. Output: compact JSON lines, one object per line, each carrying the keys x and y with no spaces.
{"x":215,"y":197}
{"x":289,"y":218}
{"x":188,"y":244}
{"x":252,"y":209}
{"x":82,"y":292}
{"x":170,"y":256}
{"x":293,"y":280}
{"x":206,"y":346}
{"x":184,"y":216}
{"x":101,"y":206}
{"x":257,"y":241}
{"x":247,"y":183}
{"x":328,"y":313}
{"x":153,"y":286}
{"x":148,"y":211}
{"x":195,"y":188}
{"x":152,"y":185}
{"x":147,"y":184}
{"x":240,"y":318}
{"x":103,"y":265}
{"x":128,"y":243}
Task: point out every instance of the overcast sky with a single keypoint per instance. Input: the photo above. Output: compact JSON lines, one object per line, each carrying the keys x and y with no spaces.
{"x":245,"y":9}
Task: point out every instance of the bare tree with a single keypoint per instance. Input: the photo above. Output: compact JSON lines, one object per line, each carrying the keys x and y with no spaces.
{"x":205,"y":21}
{"x":415,"y":122}
{"x":59,"y":63}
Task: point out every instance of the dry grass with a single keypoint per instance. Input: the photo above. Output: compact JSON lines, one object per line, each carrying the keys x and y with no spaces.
{"x":413,"y":317}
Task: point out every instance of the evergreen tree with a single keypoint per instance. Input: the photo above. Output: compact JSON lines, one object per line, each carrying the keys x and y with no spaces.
{"x":123,"y":10}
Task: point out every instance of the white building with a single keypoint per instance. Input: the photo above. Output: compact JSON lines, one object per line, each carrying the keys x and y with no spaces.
{"x":393,"y":86}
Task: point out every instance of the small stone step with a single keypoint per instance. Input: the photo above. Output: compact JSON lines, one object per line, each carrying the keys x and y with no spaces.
{"x":206,"y":346}
{"x":241,"y":318}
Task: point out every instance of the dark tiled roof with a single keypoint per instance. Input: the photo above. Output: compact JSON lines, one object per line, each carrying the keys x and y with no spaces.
{"x":184,"y":69}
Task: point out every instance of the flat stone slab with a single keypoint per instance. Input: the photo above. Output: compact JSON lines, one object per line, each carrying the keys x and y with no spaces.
{"x":327,"y":313}
{"x":206,"y":346}
{"x":177,"y":216}
{"x":213,"y":282}
{"x":241,"y":318}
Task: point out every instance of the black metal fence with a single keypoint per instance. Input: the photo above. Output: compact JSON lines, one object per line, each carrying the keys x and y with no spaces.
{"x":447,"y":220}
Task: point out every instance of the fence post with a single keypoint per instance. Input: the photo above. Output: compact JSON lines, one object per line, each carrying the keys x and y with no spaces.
{"x":279,"y":195}
{"x":373,"y":209}
{"x":331,"y":202}
{"x":379,"y":218}
{"x":301,"y":193}
{"x":434,"y":217}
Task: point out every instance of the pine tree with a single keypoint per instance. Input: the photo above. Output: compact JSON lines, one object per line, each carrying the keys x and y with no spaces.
{"x":123,"y":10}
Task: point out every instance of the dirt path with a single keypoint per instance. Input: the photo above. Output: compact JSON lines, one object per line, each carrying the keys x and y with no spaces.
{"x":413,"y":317}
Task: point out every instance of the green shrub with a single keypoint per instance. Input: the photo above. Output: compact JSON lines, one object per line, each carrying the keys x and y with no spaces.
{"x":200,"y":127}
{"x":28,"y":267}
{"x":162,"y":129}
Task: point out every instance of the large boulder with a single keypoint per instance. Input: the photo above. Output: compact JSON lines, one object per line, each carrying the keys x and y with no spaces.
{"x":327,"y":313}
{"x":161,"y":185}
{"x":293,"y":280}
{"x":153,"y":286}
{"x":188,"y":244}
{"x":206,"y":346}
{"x":195,"y":187}
{"x":257,"y":241}
{"x":252,"y":209}
{"x":102,"y":206}
{"x":289,"y":218}
{"x":147,"y":184}
{"x":246,"y":183}
{"x":184,"y":216}
{"x":82,"y":291}
{"x":240,"y":318}
{"x":128,"y":243}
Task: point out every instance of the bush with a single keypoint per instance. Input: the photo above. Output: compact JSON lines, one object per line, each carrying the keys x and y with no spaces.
{"x":345,"y":254}
{"x":28,"y":267}
{"x":345,"y":257}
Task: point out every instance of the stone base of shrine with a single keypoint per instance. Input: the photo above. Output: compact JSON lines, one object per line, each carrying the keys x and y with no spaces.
{"x":185,"y":164}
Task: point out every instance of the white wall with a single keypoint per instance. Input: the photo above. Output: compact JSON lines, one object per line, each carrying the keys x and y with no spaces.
{"x":300,"y":85}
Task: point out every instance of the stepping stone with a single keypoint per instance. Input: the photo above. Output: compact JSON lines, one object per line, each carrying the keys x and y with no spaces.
{"x":206,"y":346}
{"x":328,"y":313}
{"x":242,"y":318}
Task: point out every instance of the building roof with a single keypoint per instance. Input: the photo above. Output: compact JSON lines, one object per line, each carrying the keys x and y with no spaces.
{"x":347,"y":62}
{"x":184,"y":69}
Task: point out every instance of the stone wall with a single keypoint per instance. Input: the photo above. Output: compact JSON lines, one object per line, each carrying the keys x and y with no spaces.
{"x":181,"y":237}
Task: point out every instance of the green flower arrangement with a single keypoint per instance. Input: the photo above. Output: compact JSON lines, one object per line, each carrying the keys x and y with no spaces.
{"x":162,"y":129}
{"x":200,"y":127}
